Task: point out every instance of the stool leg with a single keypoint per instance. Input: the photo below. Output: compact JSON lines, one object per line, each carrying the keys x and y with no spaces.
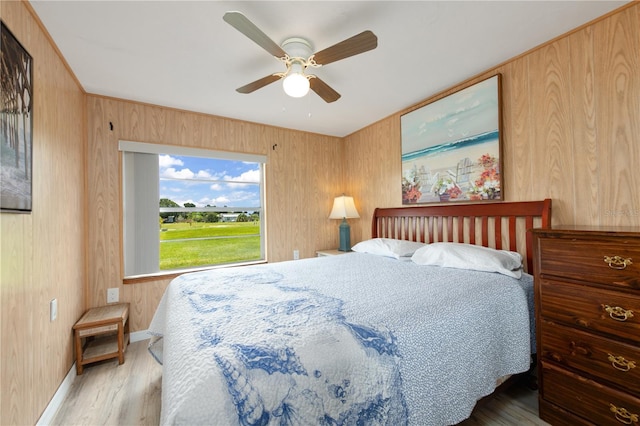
{"x":79,"y":366}
{"x":120,"y":343}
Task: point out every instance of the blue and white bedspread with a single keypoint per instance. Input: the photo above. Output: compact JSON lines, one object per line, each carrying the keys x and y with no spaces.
{"x":338,"y":340}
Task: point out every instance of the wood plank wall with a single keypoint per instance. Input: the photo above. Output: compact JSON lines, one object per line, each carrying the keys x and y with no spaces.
{"x":303,"y":175}
{"x":42,"y":254}
{"x":571,"y":112}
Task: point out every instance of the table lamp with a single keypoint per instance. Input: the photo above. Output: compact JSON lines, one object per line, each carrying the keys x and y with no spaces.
{"x":343,"y":208}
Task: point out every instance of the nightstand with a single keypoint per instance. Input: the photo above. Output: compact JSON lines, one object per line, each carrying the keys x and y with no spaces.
{"x":101,"y":333}
{"x":330,"y":252}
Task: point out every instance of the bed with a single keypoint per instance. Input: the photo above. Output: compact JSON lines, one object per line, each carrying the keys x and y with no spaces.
{"x":414,"y":327}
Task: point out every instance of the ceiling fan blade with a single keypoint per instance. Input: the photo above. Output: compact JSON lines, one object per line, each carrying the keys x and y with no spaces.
{"x":246,"y":27}
{"x":355,"y":45}
{"x":258,"y":84}
{"x":323,"y":90}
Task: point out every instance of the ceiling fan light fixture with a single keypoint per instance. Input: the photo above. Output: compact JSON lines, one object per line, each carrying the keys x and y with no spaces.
{"x":296,"y":85}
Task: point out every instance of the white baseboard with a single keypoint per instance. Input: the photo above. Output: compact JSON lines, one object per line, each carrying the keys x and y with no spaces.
{"x":137,"y":336}
{"x":55,"y":403}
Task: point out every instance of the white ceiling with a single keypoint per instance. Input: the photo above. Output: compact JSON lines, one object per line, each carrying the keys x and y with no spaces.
{"x":182,"y":54}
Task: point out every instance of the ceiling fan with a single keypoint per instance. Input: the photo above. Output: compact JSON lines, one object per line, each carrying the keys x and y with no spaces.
{"x":297,"y":56}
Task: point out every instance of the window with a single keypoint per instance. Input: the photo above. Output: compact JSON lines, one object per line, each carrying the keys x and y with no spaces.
{"x":186,"y":208}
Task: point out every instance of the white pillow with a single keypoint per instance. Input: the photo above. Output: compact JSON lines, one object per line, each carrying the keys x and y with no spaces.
{"x":468,"y":256}
{"x":388,"y":247}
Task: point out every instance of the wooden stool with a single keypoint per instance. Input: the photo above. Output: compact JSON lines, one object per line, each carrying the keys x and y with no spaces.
{"x":105,"y":331}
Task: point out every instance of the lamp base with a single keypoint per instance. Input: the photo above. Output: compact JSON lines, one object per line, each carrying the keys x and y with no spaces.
{"x":345,"y":236}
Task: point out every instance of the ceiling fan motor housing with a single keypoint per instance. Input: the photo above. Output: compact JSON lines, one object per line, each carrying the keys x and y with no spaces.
{"x":297,"y":47}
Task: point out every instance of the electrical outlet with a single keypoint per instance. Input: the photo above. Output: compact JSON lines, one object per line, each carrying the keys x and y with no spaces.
{"x":296,"y":255}
{"x":53,"y":309}
{"x":113,"y":295}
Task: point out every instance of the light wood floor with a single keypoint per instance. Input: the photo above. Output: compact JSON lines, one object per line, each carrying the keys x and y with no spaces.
{"x":129,"y":394}
{"x":111,"y":394}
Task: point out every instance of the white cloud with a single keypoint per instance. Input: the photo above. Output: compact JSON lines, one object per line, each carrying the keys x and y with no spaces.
{"x":167,"y":161}
{"x":245,"y":196}
{"x":220,"y":201}
{"x":250,"y":176}
{"x":172,"y":173}
{"x":203,"y":174}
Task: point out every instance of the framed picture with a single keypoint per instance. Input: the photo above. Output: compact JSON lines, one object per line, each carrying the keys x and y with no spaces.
{"x":451,"y":147}
{"x":16,"y":124}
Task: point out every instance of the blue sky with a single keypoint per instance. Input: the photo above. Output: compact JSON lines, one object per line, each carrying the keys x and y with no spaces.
{"x":204,"y":181}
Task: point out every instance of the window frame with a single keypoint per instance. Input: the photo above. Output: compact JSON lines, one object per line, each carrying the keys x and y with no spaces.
{"x":125,"y":146}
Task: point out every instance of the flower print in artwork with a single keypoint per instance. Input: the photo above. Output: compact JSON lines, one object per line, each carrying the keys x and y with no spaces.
{"x":451,"y":147}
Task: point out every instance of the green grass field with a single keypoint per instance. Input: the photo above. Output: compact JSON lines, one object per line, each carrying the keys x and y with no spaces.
{"x":184,"y":245}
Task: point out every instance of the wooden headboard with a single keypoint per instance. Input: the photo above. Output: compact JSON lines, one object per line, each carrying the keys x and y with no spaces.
{"x":502,"y":226}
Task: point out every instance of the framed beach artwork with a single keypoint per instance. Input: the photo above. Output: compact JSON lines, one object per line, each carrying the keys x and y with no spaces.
{"x":16,"y":124}
{"x":451,"y":147}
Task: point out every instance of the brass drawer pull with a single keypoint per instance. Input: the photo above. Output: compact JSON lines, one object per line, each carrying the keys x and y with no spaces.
{"x":619,"y":363}
{"x":623,"y":416}
{"x":617,"y":262}
{"x":617,"y":313}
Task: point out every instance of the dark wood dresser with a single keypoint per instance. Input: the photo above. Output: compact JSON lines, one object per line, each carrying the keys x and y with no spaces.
{"x":587,"y":293}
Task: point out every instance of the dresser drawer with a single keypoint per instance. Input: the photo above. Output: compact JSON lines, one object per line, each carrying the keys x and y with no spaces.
{"x":605,"y":311}
{"x":557,"y":416}
{"x":605,"y":262}
{"x":608,"y":359}
{"x":589,"y":399}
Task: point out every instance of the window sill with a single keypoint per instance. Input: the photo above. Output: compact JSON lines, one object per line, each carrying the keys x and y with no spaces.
{"x":169,"y":275}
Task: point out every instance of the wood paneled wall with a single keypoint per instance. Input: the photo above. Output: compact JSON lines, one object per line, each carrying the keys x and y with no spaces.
{"x":571,"y":126}
{"x":42,"y":254}
{"x":303,"y":175}
{"x":571,"y":112}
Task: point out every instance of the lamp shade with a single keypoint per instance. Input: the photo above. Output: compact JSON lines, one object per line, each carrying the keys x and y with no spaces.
{"x":343,"y":207}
